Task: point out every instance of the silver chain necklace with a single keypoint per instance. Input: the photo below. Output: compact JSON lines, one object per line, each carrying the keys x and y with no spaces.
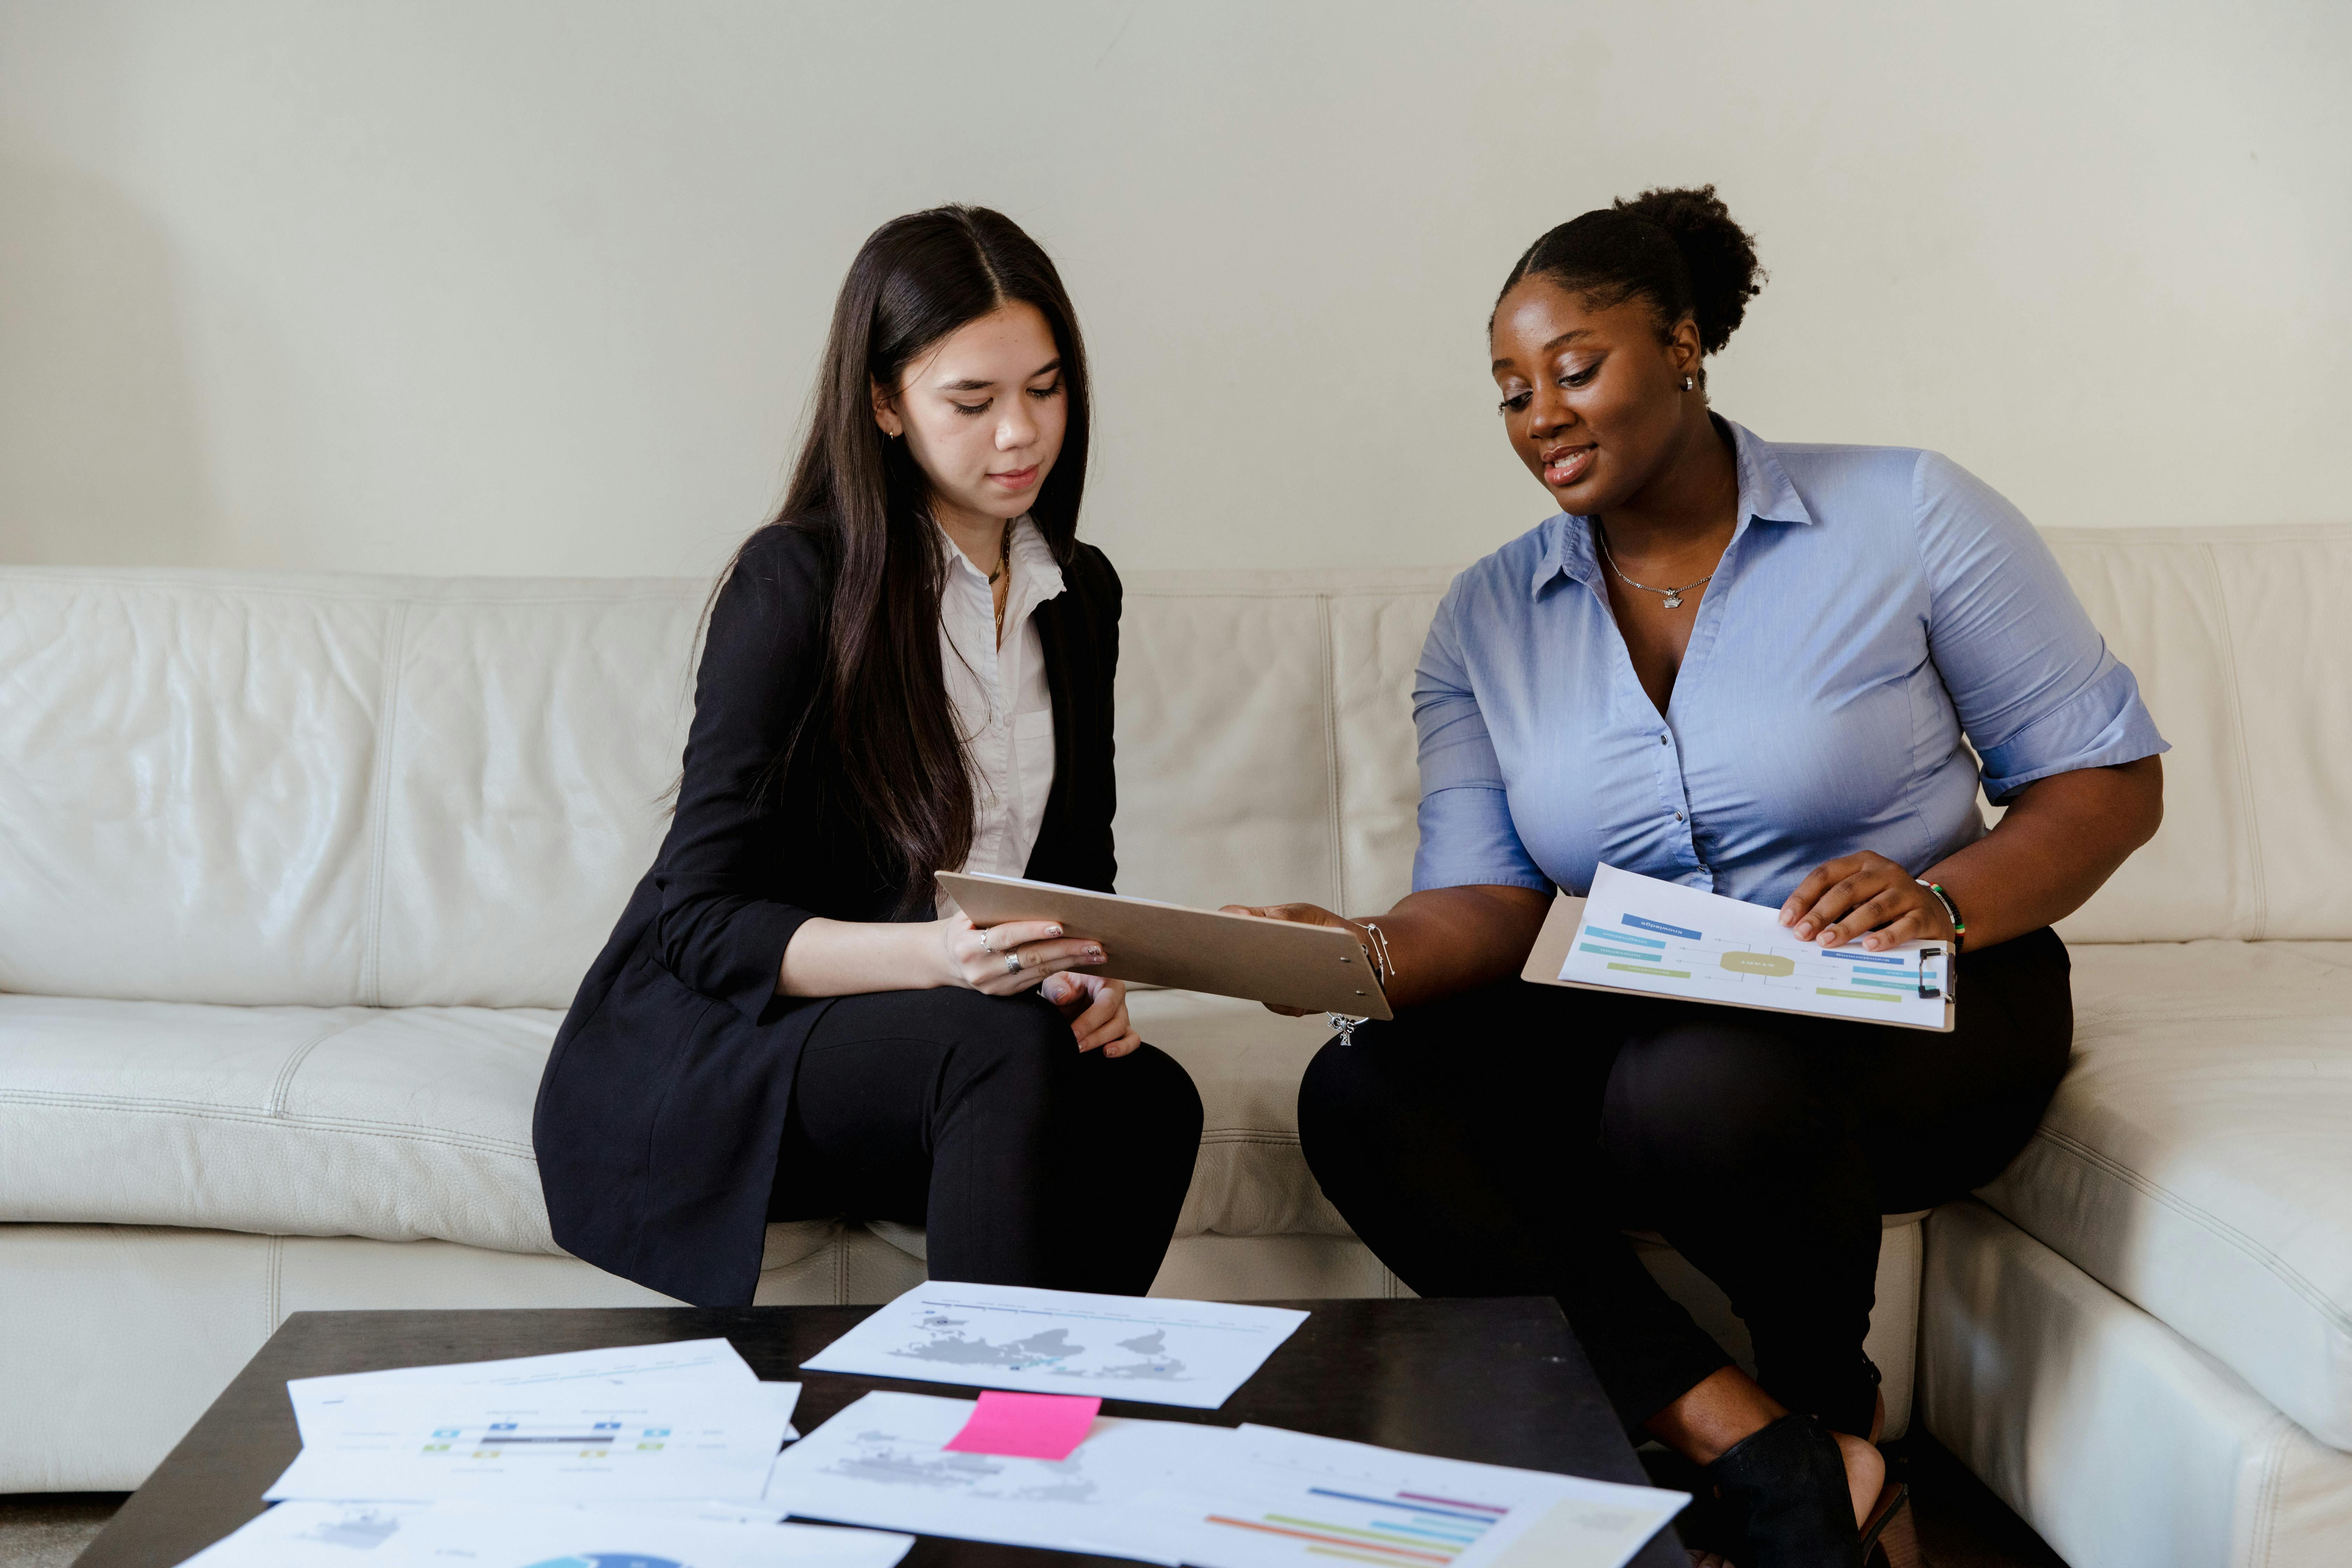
{"x":1673,"y":596}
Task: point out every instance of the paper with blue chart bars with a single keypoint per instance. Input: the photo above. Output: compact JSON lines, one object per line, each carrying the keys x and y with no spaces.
{"x":1177,"y":1492}
{"x":1639,"y":933}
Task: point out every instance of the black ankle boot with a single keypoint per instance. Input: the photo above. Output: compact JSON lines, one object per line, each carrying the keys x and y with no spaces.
{"x":1784,"y":1496}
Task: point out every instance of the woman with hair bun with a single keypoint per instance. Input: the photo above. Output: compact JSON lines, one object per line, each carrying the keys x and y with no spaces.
{"x":1748,"y":667}
{"x":909,"y":670}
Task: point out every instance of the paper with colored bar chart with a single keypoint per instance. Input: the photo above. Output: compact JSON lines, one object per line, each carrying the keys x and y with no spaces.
{"x":1660,"y":938}
{"x":1213,"y":1496}
{"x":1286,"y":1499}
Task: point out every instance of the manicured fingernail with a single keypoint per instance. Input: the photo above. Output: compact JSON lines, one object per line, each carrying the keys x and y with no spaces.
{"x":1094,"y":955}
{"x":1053,"y":930}
{"x":1805,"y":927}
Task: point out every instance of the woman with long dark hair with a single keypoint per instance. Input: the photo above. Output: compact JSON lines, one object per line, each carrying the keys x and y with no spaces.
{"x":1778,"y":673}
{"x":908,"y":671}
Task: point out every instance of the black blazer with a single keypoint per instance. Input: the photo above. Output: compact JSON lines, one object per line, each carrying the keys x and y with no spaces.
{"x":664,"y":1098}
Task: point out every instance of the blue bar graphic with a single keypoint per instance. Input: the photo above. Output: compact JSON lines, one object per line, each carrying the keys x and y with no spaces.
{"x":1616,"y":951}
{"x":1628,"y":936}
{"x":1644,"y":924}
{"x":1403,"y":1506}
{"x":1881,"y":985}
{"x":1865,"y":958}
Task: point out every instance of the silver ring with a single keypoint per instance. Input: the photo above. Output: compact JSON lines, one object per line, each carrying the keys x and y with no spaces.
{"x":983,"y":943}
{"x":1012,"y":963}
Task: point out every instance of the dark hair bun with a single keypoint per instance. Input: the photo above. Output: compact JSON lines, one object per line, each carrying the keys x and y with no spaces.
{"x":1718,"y":254}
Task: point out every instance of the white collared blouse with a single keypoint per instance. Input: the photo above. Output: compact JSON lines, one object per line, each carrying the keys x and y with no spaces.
{"x":1003,"y":710}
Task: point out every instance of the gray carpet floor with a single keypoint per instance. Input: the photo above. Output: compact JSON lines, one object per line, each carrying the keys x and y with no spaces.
{"x":49,"y":1531}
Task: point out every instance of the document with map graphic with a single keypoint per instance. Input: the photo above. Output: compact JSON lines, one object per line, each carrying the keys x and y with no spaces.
{"x":883,"y":1461}
{"x":1213,"y":1496}
{"x":1063,"y":1342}
{"x":1653,"y":938}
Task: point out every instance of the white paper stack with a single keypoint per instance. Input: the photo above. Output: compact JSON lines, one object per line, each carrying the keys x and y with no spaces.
{"x":576,"y":1460}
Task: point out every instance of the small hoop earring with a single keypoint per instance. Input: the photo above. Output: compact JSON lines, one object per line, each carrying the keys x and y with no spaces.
{"x":1688,"y":384}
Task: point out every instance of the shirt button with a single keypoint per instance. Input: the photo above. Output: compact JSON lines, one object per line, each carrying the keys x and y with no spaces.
{"x":1678,"y":817}
{"x":1663,"y":741}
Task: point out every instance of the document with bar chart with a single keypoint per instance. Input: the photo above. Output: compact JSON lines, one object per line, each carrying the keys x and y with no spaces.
{"x":652,"y":1443}
{"x":1659,"y":939}
{"x":1286,"y":1499}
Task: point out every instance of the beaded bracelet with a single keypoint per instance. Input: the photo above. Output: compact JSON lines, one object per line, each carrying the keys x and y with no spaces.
{"x":1951,"y":910}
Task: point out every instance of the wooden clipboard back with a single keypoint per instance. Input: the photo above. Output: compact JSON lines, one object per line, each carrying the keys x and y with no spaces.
{"x":1558,"y":934}
{"x":1320,"y":968}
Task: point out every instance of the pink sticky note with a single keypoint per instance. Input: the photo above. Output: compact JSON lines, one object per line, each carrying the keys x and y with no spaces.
{"x":1027,"y":1425}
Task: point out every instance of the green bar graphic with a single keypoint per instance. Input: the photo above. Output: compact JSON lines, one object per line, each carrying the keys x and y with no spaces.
{"x":1858,"y":995}
{"x":1645,"y":969}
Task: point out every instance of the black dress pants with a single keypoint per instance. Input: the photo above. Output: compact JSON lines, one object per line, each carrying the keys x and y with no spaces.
{"x":977,"y":1117}
{"x":1499,"y":1142}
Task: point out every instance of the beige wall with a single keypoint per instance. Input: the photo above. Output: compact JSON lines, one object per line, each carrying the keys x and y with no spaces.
{"x":537,"y":287}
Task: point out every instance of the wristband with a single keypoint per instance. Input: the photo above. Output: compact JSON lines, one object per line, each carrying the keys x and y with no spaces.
{"x":1951,"y":910}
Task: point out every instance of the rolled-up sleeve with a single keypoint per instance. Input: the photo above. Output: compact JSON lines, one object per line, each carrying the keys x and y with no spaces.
{"x":2037,"y":691}
{"x":716,"y":931}
{"x":1468,"y":838}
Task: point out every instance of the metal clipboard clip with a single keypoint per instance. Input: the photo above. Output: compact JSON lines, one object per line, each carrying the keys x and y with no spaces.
{"x":1952,"y":988}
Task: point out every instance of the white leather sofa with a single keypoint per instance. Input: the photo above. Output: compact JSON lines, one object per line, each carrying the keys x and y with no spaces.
{"x":297,"y":874}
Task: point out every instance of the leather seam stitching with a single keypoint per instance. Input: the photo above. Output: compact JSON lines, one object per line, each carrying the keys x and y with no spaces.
{"x":2237,"y":735}
{"x":352,"y":1125}
{"x":2335,"y":1316}
{"x":379,"y":807}
{"x":275,"y":1105}
{"x":1330,"y":696}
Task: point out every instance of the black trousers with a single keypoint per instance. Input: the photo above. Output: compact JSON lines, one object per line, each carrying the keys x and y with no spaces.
{"x":1498,"y":1143}
{"x":977,"y":1117}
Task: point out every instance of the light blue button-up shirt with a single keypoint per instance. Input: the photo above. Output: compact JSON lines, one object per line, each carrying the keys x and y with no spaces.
{"x":1875,"y":605}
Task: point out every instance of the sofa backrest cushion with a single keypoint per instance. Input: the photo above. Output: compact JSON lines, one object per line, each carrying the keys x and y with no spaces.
{"x":2242,"y":644}
{"x":311,"y":789}
{"x":324,"y":790}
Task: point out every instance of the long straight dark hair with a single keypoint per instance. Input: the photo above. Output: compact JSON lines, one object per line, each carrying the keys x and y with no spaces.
{"x":883,"y":701}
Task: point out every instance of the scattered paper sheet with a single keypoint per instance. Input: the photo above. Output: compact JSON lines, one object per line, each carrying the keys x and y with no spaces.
{"x":623,"y":1366}
{"x":883,"y":1461}
{"x":556,"y":1444}
{"x":400,"y":1535}
{"x":1027,"y":1425}
{"x":1165,"y":1351}
{"x":1642,"y":935}
{"x":1286,"y":1499}
{"x":1214,"y":1497}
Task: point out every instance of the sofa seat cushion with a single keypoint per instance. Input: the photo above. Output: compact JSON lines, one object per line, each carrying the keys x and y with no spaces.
{"x":413,"y":1123}
{"x":2198,"y":1159}
{"x":401,"y":1124}
{"x":1251,"y":1179}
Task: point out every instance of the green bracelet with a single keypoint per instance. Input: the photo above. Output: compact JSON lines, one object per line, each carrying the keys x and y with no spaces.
{"x":1959,"y":926}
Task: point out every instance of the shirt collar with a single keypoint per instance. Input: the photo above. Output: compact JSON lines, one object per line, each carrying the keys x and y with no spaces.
{"x":1036,"y":576}
{"x":1765,"y":496}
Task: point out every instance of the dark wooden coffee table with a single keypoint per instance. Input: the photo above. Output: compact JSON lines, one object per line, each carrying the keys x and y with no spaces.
{"x":1501,"y":1381}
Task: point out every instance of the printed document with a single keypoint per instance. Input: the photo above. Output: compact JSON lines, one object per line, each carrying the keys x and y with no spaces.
{"x":1212,"y":1496}
{"x":623,"y":1366}
{"x":1639,"y":933}
{"x":1164,"y":1352}
{"x":410,"y":1535}
{"x":560,"y":1443}
{"x":1286,"y":1499}
{"x":884,"y":1461}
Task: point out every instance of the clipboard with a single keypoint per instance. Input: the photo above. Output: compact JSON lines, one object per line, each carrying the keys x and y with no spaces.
{"x":1566,"y":915}
{"x":1321,"y":969}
